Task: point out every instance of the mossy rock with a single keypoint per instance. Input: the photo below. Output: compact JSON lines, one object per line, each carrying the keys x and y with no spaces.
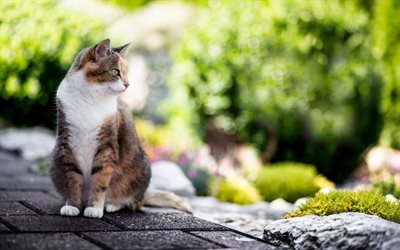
{"x":368,"y":202}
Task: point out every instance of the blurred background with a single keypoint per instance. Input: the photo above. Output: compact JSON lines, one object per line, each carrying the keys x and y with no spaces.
{"x":252,"y":100}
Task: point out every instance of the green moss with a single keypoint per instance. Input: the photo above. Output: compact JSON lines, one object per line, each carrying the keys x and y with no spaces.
{"x":234,"y":189}
{"x":287,"y":180}
{"x":368,"y":202}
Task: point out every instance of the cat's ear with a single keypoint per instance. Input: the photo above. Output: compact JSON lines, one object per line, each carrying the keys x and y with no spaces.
{"x":102,"y":49}
{"x":123,"y":50}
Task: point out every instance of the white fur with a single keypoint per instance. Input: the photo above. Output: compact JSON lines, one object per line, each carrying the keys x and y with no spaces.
{"x":86,"y":106}
{"x":93,"y":212}
{"x":110,"y":208}
{"x":69,"y":211}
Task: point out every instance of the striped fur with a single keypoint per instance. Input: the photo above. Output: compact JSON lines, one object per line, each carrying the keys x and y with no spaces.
{"x":98,"y":161}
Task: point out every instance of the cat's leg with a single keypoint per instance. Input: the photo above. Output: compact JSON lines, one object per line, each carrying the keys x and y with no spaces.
{"x":100,"y":180}
{"x":74,"y":181}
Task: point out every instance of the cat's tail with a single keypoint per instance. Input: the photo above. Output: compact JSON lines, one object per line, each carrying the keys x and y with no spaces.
{"x":158,"y":198}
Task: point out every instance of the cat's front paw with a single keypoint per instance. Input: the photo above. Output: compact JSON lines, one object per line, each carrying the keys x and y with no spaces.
{"x":93,"y":212}
{"x":68,"y":210}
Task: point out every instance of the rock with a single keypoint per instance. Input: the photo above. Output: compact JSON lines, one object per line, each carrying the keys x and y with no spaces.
{"x":282,"y":205}
{"x":169,"y":177}
{"x":30,"y":144}
{"x":391,"y":198}
{"x":250,"y":219}
{"x":338,"y":231}
{"x":300,"y":202}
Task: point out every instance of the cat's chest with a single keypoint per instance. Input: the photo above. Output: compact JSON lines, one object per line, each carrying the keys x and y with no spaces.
{"x":84,"y":123}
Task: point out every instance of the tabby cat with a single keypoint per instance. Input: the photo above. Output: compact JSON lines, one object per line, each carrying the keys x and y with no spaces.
{"x":98,"y":161}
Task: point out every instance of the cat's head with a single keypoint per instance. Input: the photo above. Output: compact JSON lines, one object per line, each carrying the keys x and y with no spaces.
{"x":104,"y":69}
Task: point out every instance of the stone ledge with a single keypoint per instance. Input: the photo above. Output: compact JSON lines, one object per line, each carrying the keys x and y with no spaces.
{"x":44,"y":241}
{"x":172,"y":239}
{"x":51,"y":223}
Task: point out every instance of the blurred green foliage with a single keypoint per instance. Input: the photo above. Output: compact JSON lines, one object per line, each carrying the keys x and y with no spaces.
{"x":38,"y":43}
{"x":298,"y":71}
{"x":234,"y":189}
{"x":335,"y":202}
{"x":129,"y":5}
{"x":386,"y":48}
{"x":287,"y":180}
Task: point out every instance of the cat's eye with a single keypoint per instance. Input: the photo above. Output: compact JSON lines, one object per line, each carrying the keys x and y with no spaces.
{"x":115,"y":72}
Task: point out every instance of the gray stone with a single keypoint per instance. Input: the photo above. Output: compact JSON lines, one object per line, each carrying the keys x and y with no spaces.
{"x":30,"y":144}
{"x":169,"y":177}
{"x":14,"y":208}
{"x":26,"y":182}
{"x":11,"y":165}
{"x":50,"y":223}
{"x":338,"y":231}
{"x":250,"y":219}
{"x":157,"y":221}
{"x":172,"y":239}
{"x":234,"y":240}
{"x":44,"y":241}
{"x":45,"y":206}
{"x":4,"y":229}
{"x":25,"y":196}
{"x":281,"y":205}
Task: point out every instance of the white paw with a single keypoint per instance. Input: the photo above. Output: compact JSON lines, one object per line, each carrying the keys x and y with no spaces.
{"x":112,"y":208}
{"x":68,"y":210}
{"x":93,"y":212}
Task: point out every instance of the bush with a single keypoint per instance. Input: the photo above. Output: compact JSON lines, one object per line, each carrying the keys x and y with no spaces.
{"x":289,"y":181}
{"x":298,"y":71}
{"x":386,"y":48}
{"x":234,"y":189}
{"x":38,"y":43}
{"x":335,"y":202}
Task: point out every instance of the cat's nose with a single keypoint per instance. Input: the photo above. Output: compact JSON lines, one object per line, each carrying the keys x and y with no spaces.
{"x":126,"y":84}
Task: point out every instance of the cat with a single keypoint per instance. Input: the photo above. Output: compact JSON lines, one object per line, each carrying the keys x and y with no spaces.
{"x":98,"y":161}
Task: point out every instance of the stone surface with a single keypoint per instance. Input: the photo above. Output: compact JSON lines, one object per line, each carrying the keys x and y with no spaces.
{"x":46,"y":206}
{"x":29,"y":219}
{"x":49,"y":223}
{"x":172,"y":239}
{"x":25,"y":196}
{"x":157,"y":221}
{"x":169,"y":177}
{"x":250,"y":219}
{"x":4,"y":229}
{"x":11,"y":165}
{"x":30,"y":144}
{"x":234,"y":240}
{"x":14,"y":208}
{"x":338,"y":231}
{"x":44,"y":241}
{"x":26,"y":182}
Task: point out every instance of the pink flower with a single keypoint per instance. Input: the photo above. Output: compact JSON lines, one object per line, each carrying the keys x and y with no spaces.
{"x":192,"y":173}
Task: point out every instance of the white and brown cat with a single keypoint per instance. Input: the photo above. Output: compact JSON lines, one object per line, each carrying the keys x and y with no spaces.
{"x":98,"y":161}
